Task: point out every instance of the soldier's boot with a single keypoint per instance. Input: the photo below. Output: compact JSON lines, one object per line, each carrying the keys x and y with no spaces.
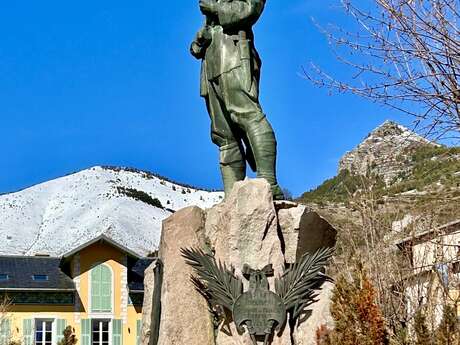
{"x":232,"y":166}
{"x":263,"y":144}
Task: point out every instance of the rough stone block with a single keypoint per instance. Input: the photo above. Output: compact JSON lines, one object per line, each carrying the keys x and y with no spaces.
{"x":185,"y":318}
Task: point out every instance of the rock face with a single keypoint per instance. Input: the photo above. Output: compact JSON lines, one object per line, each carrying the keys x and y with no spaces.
{"x":303,"y":230}
{"x":149,"y":283}
{"x":384,"y":152}
{"x":248,"y":228}
{"x":244,"y":230}
{"x":318,"y":314}
{"x":184,"y":313}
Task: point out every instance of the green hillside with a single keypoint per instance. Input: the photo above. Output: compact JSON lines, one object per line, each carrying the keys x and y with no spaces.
{"x":430,"y":169}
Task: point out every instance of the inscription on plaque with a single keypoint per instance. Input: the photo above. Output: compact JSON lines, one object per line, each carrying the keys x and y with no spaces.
{"x":259,"y":312}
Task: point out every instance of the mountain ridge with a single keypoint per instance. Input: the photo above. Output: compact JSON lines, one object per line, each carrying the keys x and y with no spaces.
{"x":118,"y":168}
{"x":55,"y":216}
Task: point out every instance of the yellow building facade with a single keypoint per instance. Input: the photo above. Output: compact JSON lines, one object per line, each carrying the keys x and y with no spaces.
{"x":435,"y":280}
{"x":97,"y":289}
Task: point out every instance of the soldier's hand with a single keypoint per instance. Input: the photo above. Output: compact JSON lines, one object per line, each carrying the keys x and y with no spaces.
{"x":197,"y":51}
{"x":208,"y":7}
{"x":204,"y":35}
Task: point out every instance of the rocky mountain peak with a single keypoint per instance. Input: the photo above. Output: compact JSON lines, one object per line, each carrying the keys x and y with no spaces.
{"x":385,"y":152}
{"x":391,"y":128}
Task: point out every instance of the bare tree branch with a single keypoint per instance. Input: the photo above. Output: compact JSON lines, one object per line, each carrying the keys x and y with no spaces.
{"x":405,"y":54}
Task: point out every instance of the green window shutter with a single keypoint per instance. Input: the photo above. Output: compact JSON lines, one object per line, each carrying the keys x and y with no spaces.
{"x":86,"y":332}
{"x":28,"y":331}
{"x":117,"y":332}
{"x":106,"y":289}
{"x":96,"y":288}
{"x":5,"y":329}
{"x":101,"y":289}
{"x":139,"y":332}
{"x":60,"y":328}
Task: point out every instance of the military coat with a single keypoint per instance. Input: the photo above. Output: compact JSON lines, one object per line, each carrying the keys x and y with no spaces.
{"x":231,"y":43}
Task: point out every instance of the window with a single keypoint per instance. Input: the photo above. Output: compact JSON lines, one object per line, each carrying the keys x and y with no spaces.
{"x":101,"y":289}
{"x":40,"y":277}
{"x":4,"y":277}
{"x":43,"y":332}
{"x":100,"y":332}
{"x":456,"y":267}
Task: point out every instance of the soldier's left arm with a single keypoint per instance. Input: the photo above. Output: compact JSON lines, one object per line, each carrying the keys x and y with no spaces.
{"x":239,"y":12}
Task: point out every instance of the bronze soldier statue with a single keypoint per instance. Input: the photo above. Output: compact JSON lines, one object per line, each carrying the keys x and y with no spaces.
{"x":230,"y":85}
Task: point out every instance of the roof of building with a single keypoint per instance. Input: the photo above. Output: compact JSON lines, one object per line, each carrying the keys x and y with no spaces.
{"x":41,"y":273}
{"x":428,"y":234}
{"x":33,"y":273}
{"x":136,"y":287}
{"x":105,"y":239}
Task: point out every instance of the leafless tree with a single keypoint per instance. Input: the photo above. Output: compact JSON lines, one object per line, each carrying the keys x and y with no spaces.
{"x":406,"y":280}
{"x":404,"y":54}
{"x":4,"y":308}
{"x":5,"y":304}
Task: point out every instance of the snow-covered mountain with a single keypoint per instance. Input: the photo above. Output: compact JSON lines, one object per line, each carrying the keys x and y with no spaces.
{"x":126,"y":205}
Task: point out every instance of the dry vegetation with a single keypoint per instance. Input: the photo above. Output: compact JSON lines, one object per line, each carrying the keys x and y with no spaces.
{"x":4,"y":307}
{"x":4,"y":317}
{"x":377,"y":280}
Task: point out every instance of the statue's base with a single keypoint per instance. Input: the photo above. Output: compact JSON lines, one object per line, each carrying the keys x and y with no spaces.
{"x":248,"y":228}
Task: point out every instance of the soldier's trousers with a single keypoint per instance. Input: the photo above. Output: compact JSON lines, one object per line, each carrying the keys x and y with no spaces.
{"x":241,"y":130}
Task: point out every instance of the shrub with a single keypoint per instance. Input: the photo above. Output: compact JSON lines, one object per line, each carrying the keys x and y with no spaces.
{"x":358,"y":318}
{"x":448,"y":332}
{"x":422,"y":334}
{"x":69,"y":337}
{"x":323,"y":335}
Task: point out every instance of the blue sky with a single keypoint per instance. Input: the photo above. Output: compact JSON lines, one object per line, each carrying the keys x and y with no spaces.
{"x":112,"y":83}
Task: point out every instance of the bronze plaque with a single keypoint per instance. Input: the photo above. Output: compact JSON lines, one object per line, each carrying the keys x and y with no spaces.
{"x":259,"y":311}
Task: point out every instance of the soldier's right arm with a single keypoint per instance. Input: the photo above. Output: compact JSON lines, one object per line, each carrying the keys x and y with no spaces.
{"x":200,"y":43}
{"x":197,"y":51}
